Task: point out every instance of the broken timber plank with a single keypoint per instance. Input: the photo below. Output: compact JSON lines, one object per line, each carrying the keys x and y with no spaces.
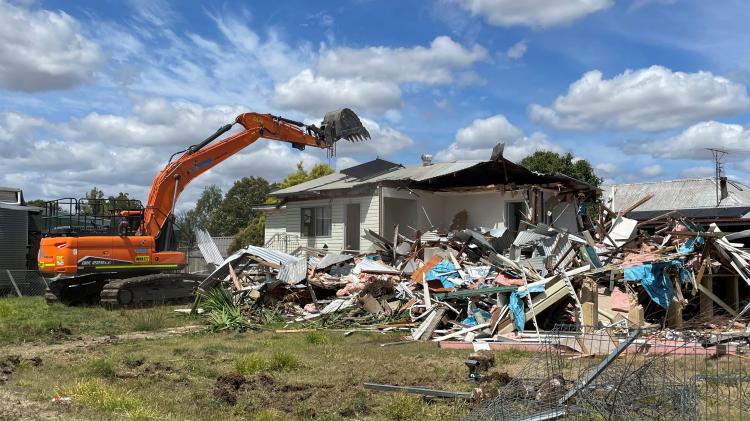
{"x":463,"y":293}
{"x":432,"y":323}
{"x":542,"y":301}
{"x":461,"y":332}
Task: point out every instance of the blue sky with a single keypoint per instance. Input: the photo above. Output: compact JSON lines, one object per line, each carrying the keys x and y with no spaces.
{"x":100,"y":93}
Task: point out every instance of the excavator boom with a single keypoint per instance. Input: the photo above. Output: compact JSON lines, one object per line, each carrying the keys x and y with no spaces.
{"x":129,"y":265}
{"x":197,"y":159}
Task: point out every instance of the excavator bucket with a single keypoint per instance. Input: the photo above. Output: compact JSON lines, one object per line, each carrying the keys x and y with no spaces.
{"x":343,"y":124}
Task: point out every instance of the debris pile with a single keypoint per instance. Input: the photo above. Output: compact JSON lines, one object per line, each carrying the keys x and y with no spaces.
{"x":490,"y":288}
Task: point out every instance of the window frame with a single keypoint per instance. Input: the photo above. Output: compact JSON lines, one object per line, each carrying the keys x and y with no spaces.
{"x":321,"y":221}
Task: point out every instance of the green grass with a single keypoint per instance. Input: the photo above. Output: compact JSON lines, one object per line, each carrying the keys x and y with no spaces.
{"x":151,"y":319}
{"x":98,"y":395}
{"x":251,"y":364}
{"x":100,"y":367}
{"x":283,"y":361}
{"x":318,"y":337}
{"x":27,"y":319}
{"x":288,"y":378}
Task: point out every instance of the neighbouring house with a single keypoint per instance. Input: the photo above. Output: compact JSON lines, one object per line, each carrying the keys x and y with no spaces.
{"x":725,"y":202}
{"x":335,"y":210}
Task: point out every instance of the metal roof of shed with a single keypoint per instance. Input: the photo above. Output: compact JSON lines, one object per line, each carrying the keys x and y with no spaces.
{"x":685,"y":194}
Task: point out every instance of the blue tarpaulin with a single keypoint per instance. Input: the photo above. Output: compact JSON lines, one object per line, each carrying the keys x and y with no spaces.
{"x":472,"y":321}
{"x":689,"y":245}
{"x":655,"y":280}
{"x":441,"y":272}
{"x":517,"y":307}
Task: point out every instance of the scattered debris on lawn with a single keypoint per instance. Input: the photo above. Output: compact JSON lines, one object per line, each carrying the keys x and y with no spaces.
{"x":491,"y":288}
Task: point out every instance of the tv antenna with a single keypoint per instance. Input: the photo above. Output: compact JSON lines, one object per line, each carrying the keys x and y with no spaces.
{"x":718,"y":155}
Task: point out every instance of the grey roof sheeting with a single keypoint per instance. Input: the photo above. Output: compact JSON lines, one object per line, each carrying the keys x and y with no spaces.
{"x":696,"y":197}
{"x":293,"y":269}
{"x":477,"y":173}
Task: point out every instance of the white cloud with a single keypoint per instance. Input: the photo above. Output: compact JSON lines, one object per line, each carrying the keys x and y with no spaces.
{"x":534,"y":13}
{"x":476,"y":141}
{"x":125,"y":152}
{"x":652,"y":170}
{"x":649,"y":99}
{"x":345,"y":162}
{"x":697,"y":172}
{"x":517,"y":51}
{"x":430,"y":65}
{"x":385,"y":141}
{"x":43,"y":50}
{"x":154,"y":121}
{"x":693,"y":141}
{"x":606,"y":170}
{"x":317,"y":94}
{"x":369,"y":79}
{"x":17,"y":132}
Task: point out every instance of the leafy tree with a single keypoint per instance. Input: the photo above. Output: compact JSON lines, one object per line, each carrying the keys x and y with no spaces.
{"x":551,"y":162}
{"x":96,"y":204}
{"x":253,"y":232}
{"x":36,"y":202}
{"x":235,"y":211}
{"x":202,"y":216}
{"x":301,"y":175}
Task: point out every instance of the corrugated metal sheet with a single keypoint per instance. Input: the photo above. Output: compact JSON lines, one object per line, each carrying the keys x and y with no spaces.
{"x":675,"y":195}
{"x":293,"y":269}
{"x":13,"y":237}
{"x":208,"y":248}
{"x":341,"y":181}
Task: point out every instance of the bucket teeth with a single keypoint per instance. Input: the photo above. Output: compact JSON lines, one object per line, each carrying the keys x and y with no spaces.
{"x":344,"y":124}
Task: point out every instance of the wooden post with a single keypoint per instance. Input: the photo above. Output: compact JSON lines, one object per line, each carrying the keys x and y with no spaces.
{"x":733,"y":292}
{"x":674,"y":313}
{"x":706,"y":303}
{"x":589,"y":304}
{"x":636,"y":314}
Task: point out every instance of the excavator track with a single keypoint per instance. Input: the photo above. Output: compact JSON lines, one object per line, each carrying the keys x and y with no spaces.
{"x":149,"y":290}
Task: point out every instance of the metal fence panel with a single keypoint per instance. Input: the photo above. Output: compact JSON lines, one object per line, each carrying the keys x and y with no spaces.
{"x":21,"y":282}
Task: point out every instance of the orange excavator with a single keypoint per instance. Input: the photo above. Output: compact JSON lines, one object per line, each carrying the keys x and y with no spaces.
{"x":123,"y":254}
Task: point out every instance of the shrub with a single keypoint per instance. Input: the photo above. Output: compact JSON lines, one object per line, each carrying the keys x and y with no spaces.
{"x":402,"y":406}
{"x":317,"y":337}
{"x":251,"y":364}
{"x":283,"y":361}
{"x":100,"y":367}
{"x":148,"y":320}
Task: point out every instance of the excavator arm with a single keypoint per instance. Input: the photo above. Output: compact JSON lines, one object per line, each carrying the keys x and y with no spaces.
{"x":199,"y":158}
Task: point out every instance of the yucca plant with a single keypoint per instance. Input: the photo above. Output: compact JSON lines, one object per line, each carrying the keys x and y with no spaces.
{"x":223,"y":312}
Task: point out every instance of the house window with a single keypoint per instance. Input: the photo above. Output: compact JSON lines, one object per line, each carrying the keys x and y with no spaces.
{"x":316,"y":222}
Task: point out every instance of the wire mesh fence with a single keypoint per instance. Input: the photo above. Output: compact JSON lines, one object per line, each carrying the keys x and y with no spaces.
{"x":616,"y":374}
{"x":21,"y":283}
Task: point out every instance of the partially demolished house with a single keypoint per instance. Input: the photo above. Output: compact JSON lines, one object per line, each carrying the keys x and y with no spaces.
{"x":386,"y":198}
{"x":722,"y":201}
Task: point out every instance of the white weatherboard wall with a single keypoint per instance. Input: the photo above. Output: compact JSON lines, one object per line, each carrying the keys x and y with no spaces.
{"x":484,"y":209}
{"x":287,"y":220}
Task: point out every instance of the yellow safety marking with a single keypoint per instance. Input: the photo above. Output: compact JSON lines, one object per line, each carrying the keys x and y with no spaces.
{"x":136,"y":266}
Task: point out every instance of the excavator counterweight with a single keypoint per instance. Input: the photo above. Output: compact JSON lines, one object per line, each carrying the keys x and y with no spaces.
{"x":125,"y":254}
